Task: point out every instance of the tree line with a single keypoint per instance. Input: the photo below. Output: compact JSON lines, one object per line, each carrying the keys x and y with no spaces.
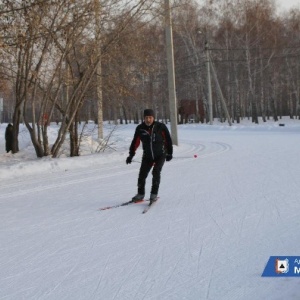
{"x":71,"y":61}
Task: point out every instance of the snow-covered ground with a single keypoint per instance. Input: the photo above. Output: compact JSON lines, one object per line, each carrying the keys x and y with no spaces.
{"x":220,"y":217}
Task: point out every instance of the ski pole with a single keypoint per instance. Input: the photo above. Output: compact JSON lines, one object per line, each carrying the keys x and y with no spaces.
{"x":185,"y":157}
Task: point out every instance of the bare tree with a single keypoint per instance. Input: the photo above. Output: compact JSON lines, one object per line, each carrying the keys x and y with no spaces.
{"x":71,"y":60}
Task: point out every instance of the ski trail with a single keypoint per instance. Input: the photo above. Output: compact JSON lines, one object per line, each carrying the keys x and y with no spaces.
{"x":213,"y":149}
{"x":199,"y":260}
{"x":217,"y":224}
{"x":209,"y":282}
{"x":64,"y":278}
{"x":60,"y":184}
{"x":137,"y":261}
{"x":100,"y":278}
{"x":17,"y":293}
{"x":202,"y":150}
{"x":185,"y":284}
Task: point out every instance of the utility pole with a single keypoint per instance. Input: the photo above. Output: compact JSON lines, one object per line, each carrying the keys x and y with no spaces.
{"x":1,"y":109}
{"x":99,"y":69}
{"x":220,"y":93}
{"x":209,"y":84}
{"x":171,"y":73}
{"x":197,"y":107}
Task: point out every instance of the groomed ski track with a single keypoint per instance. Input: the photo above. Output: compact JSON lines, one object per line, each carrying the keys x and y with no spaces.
{"x":219,"y":218}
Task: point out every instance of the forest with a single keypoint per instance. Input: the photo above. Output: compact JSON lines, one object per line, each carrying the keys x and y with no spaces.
{"x":71,"y":61}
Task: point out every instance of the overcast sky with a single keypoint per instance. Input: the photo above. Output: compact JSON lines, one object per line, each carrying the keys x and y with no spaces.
{"x":281,"y":4}
{"x":287,"y":4}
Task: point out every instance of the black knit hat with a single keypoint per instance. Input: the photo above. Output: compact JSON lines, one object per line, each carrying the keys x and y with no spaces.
{"x":148,"y":113}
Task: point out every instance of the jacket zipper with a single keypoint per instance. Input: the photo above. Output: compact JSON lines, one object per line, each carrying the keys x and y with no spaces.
{"x":151,"y":140}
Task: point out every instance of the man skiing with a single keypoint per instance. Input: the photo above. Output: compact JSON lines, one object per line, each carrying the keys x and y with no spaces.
{"x":157,"y":147}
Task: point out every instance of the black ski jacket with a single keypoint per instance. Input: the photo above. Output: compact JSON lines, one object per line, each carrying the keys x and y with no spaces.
{"x":156,"y":140}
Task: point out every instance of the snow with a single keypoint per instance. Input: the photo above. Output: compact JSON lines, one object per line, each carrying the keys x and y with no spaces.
{"x":219,"y":218}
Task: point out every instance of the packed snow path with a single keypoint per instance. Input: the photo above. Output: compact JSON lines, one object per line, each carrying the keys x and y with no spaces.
{"x":219,"y":218}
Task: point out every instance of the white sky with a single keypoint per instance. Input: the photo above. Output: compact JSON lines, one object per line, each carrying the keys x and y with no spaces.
{"x":282,"y":5}
{"x":287,"y":4}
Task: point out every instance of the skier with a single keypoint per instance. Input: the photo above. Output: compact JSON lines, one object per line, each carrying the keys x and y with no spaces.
{"x":157,"y":147}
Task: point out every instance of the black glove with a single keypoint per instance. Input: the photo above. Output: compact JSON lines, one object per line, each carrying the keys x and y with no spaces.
{"x":129,"y":160}
{"x":169,"y":157}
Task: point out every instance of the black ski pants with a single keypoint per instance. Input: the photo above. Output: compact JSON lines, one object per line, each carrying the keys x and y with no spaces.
{"x":144,"y":171}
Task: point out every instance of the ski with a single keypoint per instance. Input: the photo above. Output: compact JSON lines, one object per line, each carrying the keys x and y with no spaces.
{"x":122,"y":204}
{"x":150,"y":205}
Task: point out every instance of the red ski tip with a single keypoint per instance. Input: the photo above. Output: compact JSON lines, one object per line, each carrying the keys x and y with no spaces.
{"x":104,"y":208}
{"x":139,"y":201}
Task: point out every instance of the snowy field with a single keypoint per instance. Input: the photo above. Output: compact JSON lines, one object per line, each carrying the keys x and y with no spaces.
{"x":220,"y":217}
